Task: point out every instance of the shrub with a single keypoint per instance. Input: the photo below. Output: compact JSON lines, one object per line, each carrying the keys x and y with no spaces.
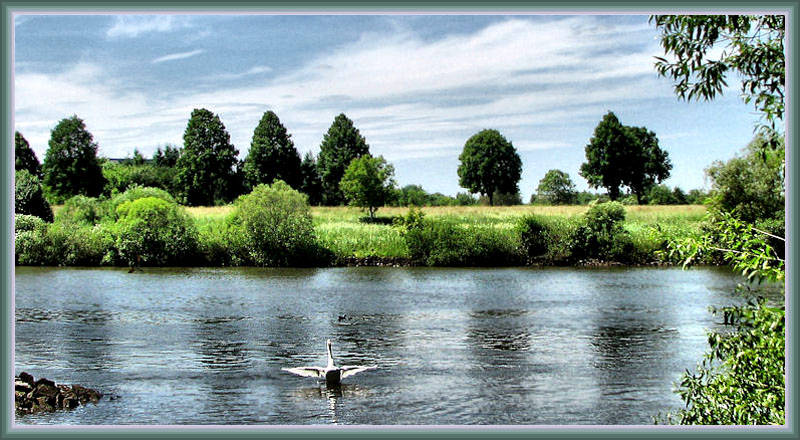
{"x":533,"y":236}
{"x":151,"y":231}
{"x":753,"y":186}
{"x":223,"y":243}
{"x":601,"y":235}
{"x":277,"y":226}
{"x":80,"y":210}
{"x":39,"y":243}
{"x":26,"y":222}
{"x":442,"y":243}
{"x":742,"y":380}
{"x":29,"y":198}
{"x":109,"y":209}
{"x":121,"y":177}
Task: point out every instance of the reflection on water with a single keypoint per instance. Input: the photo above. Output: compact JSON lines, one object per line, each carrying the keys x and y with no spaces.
{"x":453,"y":346}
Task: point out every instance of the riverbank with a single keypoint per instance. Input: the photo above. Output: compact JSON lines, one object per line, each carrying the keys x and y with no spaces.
{"x":344,"y":236}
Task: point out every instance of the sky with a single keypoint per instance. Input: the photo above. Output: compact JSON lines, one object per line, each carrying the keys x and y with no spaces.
{"x":416,"y":86}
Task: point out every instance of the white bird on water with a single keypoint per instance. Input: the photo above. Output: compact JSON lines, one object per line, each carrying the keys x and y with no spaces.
{"x":333,"y":375}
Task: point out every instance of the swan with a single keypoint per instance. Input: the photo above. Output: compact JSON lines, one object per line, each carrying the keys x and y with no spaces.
{"x":333,"y":375}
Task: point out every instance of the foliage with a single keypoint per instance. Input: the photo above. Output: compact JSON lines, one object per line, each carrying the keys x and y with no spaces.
{"x":311,"y":182}
{"x":465,"y":199}
{"x":277,"y":225}
{"x":742,"y":379}
{"x":443,"y":243}
{"x":153,"y":232}
{"x":533,"y":236}
{"x":29,"y":197}
{"x":619,"y":155}
{"x":368,"y":182}
{"x":751,"y":187}
{"x":340,"y":145}
{"x":81,"y":210}
{"x":602,"y":235}
{"x":753,"y":47}
{"x":168,"y":157}
{"x":109,"y":208}
{"x":501,"y":199}
{"x":556,"y":188}
{"x":489,"y":164}
{"x":696,"y":197}
{"x":206,"y":174}
{"x":272,"y":155}
{"x":39,"y":243}
{"x":70,"y":165}
{"x":748,"y":249}
{"x":412,"y":195}
{"x":120,"y":177}
{"x":24,"y":157}
{"x":662,"y":195}
{"x":223,"y":243}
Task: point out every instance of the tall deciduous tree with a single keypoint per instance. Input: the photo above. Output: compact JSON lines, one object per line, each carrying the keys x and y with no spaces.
{"x":272,"y":155}
{"x":649,"y":164}
{"x":206,"y":168}
{"x":24,"y":157}
{"x":340,"y":145}
{"x":619,"y":155}
{"x":489,"y":164}
{"x":70,"y":165}
{"x":557,"y":188}
{"x":311,"y":183}
{"x":368,"y":182}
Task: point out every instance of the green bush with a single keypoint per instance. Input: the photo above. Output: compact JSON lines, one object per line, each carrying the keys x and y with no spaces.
{"x":80,"y":210}
{"x":442,"y":243}
{"x":276,"y":225}
{"x":602,"y":235}
{"x":742,"y":380}
{"x":223,"y":243}
{"x":26,"y":222}
{"x":109,"y":209}
{"x":534,"y":236}
{"x":153,"y":232}
{"x":752,"y":187}
{"x":41,"y":244}
{"x":29,"y":197}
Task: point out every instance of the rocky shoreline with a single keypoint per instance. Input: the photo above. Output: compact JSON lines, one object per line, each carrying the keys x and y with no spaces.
{"x":31,"y":396}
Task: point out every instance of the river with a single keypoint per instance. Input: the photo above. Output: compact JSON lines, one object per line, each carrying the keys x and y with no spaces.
{"x":509,"y":346}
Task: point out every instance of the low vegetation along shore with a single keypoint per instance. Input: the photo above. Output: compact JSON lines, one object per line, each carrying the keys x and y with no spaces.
{"x":273,"y":226}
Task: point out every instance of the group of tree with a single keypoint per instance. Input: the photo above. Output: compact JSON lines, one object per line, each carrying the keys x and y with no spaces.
{"x":619,"y":155}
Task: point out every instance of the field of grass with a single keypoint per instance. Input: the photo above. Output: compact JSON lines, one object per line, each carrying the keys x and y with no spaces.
{"x":345,"y":231}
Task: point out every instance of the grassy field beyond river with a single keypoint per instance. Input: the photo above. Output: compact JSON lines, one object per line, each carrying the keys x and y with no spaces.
{"x":345,"y":231}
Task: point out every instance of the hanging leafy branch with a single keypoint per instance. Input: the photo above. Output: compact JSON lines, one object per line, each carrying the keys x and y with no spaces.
{"x":739,"y":243}
{"x":753,"y":47}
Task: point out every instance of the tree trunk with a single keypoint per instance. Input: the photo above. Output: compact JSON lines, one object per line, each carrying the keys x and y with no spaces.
{"x":491,"y":198}
{"x":613,"y":193}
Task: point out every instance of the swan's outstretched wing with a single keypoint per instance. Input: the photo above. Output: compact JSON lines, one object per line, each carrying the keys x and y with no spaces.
{"x":306,"y":371}
{"x":349,"y":370}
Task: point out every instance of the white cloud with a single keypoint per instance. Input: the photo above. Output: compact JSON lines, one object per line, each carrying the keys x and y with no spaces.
{"x":257,"y":70}
{"x":131,"y":26}
{"x":408,"y":97}
{"x":177,"y":56}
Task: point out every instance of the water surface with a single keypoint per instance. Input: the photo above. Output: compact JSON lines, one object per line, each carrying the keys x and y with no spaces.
{"x":453,"y":346}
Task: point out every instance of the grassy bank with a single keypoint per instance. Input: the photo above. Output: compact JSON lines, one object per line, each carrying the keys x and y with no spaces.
{"x":443,"y":236}
{"x":347,"y":233}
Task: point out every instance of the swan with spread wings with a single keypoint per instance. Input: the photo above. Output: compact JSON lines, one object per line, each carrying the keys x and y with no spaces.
{"x":333,"y":375}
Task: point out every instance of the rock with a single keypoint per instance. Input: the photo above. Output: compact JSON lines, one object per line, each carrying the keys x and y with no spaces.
{"x":27,"y":378}
{"x":46,"y":395}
